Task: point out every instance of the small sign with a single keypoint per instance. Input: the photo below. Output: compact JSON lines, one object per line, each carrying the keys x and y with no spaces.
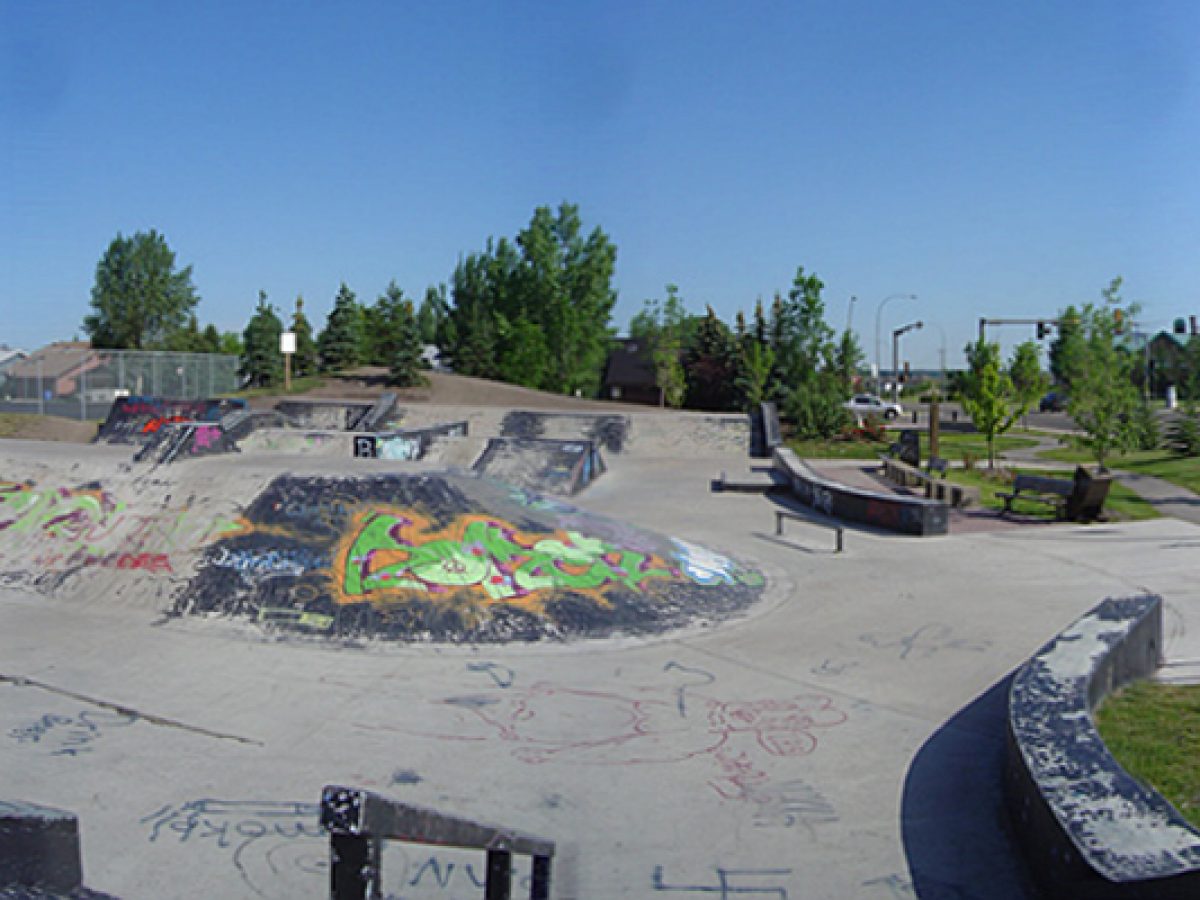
{"x":366,"y":446}
{"x":287,"y":342}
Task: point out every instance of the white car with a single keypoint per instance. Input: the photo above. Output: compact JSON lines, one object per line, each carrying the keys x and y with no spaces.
{"x":863,"y":405}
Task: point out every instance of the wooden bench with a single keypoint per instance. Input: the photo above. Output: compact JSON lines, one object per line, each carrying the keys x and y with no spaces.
{"x":1080,"y":499}
{"x":1039,"y":489}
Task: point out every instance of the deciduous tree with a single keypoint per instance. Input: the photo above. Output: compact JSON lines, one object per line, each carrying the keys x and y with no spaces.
{"x":1102,"y":397}
{"x":140,"y":300}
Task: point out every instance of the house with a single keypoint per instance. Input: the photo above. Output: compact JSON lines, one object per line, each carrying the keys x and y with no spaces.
{"x":9,"y":358}
{"x":1167,"y":360}
{"x":55,"y":370}
{"x":629,"y":374}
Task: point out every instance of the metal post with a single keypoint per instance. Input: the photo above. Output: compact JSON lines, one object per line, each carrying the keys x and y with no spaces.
{"x":121,"y":370}
{"x":499,"y":875}
{"x":352,"y":866}
{"x":539,"y":887}
{"x":895,"y":366}
{"x":83,"y":390}
{"x":41,"y":391}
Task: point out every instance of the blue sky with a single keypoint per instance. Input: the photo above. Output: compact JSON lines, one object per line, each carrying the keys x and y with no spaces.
{"x":996,"y":159}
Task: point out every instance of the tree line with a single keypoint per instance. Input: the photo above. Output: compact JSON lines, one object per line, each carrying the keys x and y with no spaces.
{"x":536,"y":310}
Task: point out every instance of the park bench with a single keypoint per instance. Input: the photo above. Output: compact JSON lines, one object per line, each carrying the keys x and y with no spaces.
{"x":1080,"y":499}
{"x":957,"y":495}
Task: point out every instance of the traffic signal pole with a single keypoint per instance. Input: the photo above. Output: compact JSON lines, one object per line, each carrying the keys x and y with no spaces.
{"x":1043,"y":325}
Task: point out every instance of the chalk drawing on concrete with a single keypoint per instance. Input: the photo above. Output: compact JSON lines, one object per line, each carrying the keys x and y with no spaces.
{"x":552,"y":723}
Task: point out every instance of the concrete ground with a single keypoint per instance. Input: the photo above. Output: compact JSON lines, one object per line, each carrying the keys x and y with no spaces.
{"x":842,"y":739}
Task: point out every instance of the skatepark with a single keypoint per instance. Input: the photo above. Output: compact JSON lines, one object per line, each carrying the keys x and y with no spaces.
{"x":547,"y":620}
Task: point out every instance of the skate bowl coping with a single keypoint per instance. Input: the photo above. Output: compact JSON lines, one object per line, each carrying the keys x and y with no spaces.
{"x":1087,"y":828}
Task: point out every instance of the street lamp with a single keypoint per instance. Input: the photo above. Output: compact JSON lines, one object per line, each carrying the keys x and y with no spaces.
{"x":896,"y":356}
{"x":878,"y":321}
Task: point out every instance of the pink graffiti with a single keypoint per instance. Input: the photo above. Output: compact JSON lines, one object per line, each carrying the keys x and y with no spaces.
{"x":205,"y":436}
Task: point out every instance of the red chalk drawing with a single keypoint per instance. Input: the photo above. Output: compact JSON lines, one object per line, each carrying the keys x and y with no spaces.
{"x":548,"y":723}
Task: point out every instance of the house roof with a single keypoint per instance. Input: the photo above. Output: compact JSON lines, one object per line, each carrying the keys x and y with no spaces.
{"x":53,"y":360}
{"x":629,"y":365}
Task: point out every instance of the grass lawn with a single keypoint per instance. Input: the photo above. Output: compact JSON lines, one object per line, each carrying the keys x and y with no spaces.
{"x":1153,"y":730}
{"x":951,"y":445}
{"x":1183,"y":471}
{"x":1122,"y":504}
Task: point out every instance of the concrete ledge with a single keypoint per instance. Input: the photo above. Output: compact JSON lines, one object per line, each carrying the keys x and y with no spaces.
{"x":39,"y":848}
{"x":1088,"y":829}
{"x":908,"y":515}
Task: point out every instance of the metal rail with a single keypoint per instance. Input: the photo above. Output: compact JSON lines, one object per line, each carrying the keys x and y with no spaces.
{"x":359,"y":822}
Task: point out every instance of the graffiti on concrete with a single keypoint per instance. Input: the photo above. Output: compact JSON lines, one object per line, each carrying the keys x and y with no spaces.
{"x":435,"y":555}
{"x":262,"y":837}
{"x":47,"y":530}
{"x":70,"y":735}
{"x":924,"y":642}
{"x":395,"y":551}
{"x":608,"y":431}
{"x":730,"y":883}
{"x":136,"y":418}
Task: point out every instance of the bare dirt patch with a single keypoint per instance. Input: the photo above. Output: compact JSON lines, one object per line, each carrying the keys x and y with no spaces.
{"x":32,"y":427}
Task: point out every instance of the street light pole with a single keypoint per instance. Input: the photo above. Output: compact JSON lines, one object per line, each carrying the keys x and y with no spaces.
{"x":878,"y":324}
{"x":896,"y":356}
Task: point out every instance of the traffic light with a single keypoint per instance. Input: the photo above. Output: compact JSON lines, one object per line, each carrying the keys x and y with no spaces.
{"x":1119,"y":321}
{"x":1043,"y":331}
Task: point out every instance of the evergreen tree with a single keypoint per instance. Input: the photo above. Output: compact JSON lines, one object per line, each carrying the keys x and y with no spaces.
{"x":1183,"y":435}
{"x":385,"y":326}
{"x":405,"y":366}
{"x":210,"y":340}
{"x":262,"y":363}
{"x":711,"y":366}
{"x":341,"y":342}
{"x":305,"y":359}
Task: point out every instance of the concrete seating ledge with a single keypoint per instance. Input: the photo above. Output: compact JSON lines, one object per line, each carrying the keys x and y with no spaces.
{"x":894,"y":512}
{"x":1087,"y":828}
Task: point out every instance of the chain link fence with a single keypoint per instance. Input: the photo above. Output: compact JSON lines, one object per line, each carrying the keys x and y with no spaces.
{"x":77,"y":382}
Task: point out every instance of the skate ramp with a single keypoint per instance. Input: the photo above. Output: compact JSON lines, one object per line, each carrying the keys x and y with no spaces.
{"x":423,"y":556}
{"x":556,"y":467}
{"x":448,"y":557}
{"x":298,"y":442}
{"x":186,"y":440}
{"x":135,"y":419}
{"x":327,"y":415}
{"x":607,"y":431}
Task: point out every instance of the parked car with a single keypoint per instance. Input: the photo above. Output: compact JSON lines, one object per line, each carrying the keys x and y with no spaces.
{"x":863,"y":405}
{"x":1055,"y":401}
